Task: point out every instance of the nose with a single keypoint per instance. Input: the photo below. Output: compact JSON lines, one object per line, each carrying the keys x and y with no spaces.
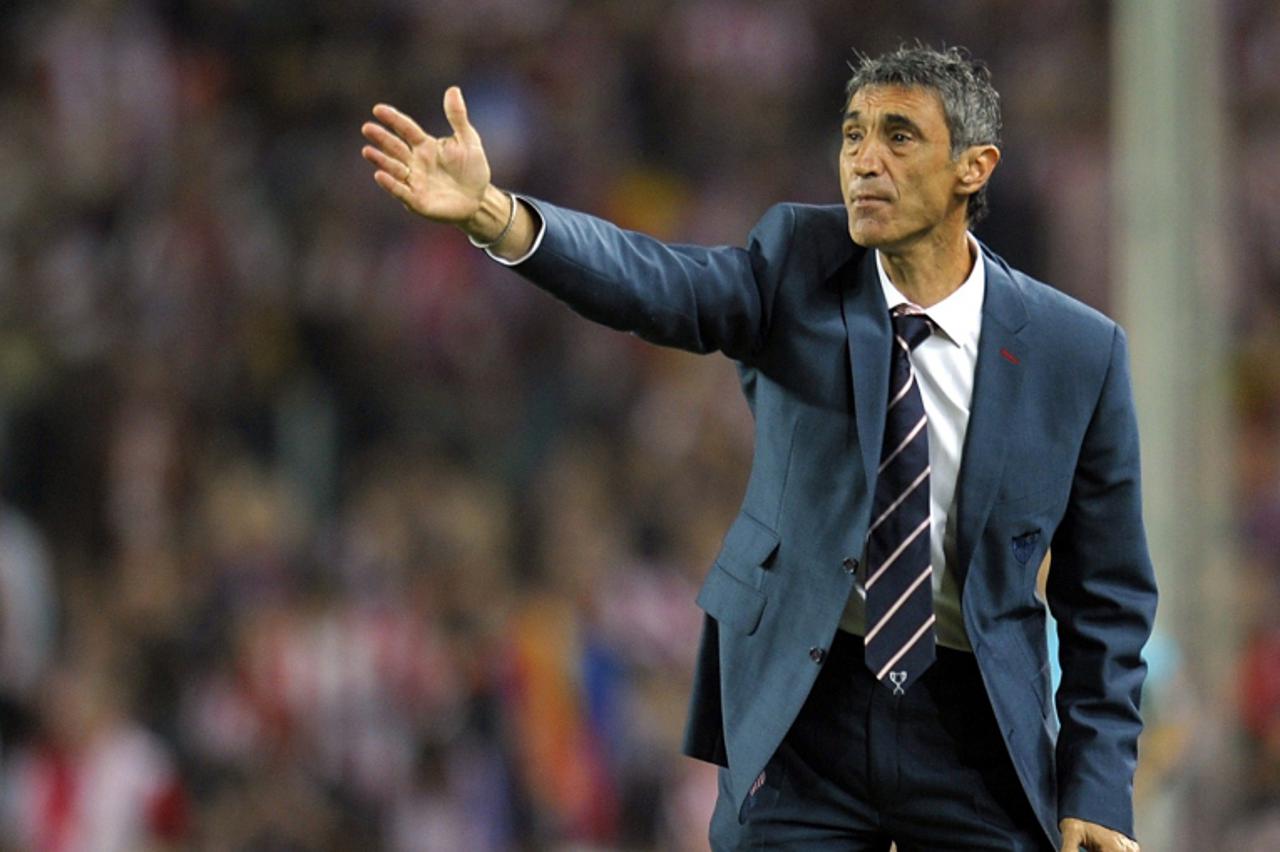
{"x":866,"y":160}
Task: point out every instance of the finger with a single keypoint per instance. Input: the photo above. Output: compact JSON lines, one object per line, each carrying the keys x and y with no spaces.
{"x":398,"y":190}
{"x":393,"y":186}
{"x":455,"y":109}
{"x":402,"y":125}
{"x":1072,"y":838}
{"x":390,"y":144}
{"x":387,"y":164}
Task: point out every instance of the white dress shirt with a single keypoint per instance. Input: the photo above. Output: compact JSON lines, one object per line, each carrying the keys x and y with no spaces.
{"x":944,"y":364}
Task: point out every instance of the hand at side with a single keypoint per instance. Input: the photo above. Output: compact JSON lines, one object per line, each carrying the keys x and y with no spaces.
{"x":1077,"y":833}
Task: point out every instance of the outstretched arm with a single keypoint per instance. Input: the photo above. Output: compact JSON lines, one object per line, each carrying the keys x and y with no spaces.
{"x":446,"y":179}
{"x":690,"y":297}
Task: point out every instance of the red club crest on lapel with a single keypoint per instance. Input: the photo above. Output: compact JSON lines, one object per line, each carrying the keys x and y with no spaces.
{"x":1009,"y":356}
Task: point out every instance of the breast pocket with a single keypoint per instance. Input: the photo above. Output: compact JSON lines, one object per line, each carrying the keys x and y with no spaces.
{"x":1032,"y":492}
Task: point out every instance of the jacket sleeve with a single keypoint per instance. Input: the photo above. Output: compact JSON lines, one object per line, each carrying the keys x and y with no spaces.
{"x":1102,"y":593}
{"x":689,"y":297}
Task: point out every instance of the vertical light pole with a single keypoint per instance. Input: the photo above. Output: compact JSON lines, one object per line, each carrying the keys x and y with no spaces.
{"x":1174,"y":297}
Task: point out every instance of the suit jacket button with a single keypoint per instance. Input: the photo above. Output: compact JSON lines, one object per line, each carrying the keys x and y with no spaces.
{"x":817,"y":654}
{"x":850,"y":565}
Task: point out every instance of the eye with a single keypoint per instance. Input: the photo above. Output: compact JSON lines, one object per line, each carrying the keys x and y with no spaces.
{"x":853,"y":135}
{"x":901,"y":138}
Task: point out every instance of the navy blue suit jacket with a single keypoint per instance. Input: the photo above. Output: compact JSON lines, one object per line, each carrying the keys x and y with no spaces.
{"x":1050,"y":459}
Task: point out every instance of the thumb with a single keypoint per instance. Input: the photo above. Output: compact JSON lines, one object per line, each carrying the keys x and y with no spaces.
{"x":455,"y":110}
{"x":1072,"y":836}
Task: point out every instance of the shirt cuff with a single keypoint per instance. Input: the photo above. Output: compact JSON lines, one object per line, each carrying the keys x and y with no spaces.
{"x":537,"y":240}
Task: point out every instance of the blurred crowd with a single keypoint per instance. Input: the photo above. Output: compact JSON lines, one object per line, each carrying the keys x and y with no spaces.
{"x":322,"y":532}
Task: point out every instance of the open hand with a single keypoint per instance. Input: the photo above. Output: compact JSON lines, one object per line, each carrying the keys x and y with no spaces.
{"x":442,"y":179}
{"x":1093,"y":837}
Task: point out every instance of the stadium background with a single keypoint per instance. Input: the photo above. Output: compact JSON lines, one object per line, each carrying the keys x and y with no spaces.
{"x":321,"y":532}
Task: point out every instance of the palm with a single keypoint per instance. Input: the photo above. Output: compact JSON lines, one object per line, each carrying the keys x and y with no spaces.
{"x":442,"y":179}
{"x":453,"y":176}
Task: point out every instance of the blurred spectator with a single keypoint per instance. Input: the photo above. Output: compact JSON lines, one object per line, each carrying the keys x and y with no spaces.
{"x":27,"y":622}
{"x":93,"y":780}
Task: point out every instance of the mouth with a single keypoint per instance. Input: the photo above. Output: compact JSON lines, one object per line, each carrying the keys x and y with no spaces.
{"x":864,"y":199}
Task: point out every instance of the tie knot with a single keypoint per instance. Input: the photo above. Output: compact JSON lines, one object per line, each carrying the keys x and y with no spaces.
{"x":914,"y":328}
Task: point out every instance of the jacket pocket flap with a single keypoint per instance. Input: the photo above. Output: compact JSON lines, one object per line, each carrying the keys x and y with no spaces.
{"x":749,"y":541}
{"x":730,"y":601}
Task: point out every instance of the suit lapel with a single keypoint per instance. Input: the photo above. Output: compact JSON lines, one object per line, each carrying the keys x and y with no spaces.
{"x":866,"y":318}
{"x":997,"y":386}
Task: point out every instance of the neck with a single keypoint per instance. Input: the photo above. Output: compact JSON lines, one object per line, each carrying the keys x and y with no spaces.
{"x":932,"y":269}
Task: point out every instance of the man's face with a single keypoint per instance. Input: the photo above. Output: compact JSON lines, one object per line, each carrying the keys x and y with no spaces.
{"x":896,"y":172}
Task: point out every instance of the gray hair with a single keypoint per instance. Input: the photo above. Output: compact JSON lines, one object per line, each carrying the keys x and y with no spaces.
{"x":969,"y":103}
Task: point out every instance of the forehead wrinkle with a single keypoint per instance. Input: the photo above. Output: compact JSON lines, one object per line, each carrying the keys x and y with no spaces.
{"x":892,"y":119}
{"x":918,"y":98}
{"x":912,"y":96}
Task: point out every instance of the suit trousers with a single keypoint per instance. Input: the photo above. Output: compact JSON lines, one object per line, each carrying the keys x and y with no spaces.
{"x":862,"y":768}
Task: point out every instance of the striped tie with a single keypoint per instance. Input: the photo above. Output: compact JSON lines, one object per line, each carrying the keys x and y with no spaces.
{"x":900,"y":636}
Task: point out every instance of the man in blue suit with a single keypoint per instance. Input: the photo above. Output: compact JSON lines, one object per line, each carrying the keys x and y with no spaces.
{"x":929,"y":422}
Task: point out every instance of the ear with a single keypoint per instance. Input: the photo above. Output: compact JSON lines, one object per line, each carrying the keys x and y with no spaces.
{"x":974,"y":168}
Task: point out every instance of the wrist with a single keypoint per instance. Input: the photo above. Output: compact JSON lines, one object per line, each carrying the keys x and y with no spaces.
{"x":487,"y":225}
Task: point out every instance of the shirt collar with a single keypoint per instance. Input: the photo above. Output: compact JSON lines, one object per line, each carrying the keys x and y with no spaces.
{"x":959,"y":316}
